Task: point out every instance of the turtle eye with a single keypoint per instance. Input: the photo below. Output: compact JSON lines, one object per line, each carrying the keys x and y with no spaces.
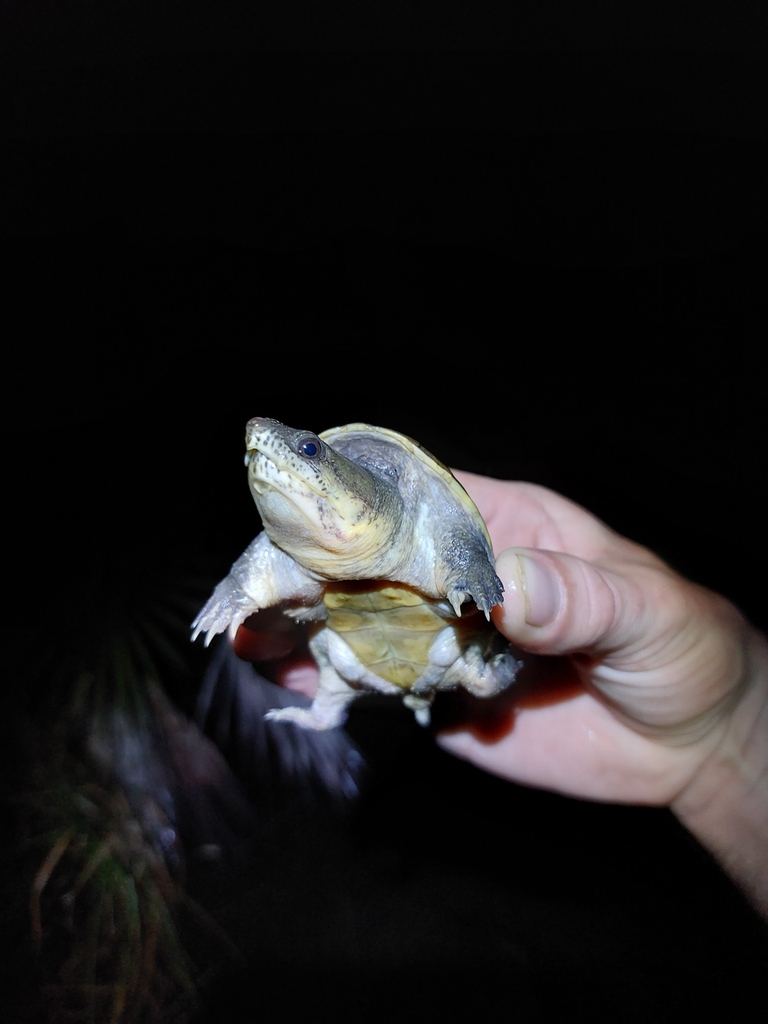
{"x":309,"y":446}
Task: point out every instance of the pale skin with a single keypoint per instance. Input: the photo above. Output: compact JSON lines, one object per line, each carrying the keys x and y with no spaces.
{"x":639,"y":686}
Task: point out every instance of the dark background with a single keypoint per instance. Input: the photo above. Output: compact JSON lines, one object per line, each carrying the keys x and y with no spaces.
{"x":535,"y":240}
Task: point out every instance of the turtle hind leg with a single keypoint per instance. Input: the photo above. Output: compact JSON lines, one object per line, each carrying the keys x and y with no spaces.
{"x":322,"y":714}
{"x":481,"y":674}
{"x":329,"y":708}
{"x":334,"y":695}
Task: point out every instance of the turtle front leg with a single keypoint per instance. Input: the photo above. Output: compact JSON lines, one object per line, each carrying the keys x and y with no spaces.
{"x":262,"y":577}
{"x":475,"y":578}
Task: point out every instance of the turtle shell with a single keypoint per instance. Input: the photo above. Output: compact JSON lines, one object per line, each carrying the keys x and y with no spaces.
{"x":420,"y":453}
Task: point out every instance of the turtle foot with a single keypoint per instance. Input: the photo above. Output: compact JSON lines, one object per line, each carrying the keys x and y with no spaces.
{"x":494,"y":675}
{"x":225,"y":610}
{"x":483,"y":587}
{"x":421,"y":708}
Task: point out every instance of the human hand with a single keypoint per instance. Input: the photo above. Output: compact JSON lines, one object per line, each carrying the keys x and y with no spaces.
{"x":649,"y":666}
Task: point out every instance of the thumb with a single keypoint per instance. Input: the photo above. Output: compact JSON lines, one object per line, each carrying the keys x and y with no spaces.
{"x":558,"y":604}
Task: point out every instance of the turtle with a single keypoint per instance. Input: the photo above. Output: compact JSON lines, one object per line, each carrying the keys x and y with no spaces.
{"x":373,"y":542}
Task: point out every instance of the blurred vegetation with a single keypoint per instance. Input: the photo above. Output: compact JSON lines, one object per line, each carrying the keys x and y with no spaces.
{"x":91,"y":792}
{"x":103,"y":902}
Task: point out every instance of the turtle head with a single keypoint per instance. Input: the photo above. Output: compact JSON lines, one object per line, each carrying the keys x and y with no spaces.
{"x":325,"y":511}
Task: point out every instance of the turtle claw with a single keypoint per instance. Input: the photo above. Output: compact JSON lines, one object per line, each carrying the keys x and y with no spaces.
{"x":457,"y":598}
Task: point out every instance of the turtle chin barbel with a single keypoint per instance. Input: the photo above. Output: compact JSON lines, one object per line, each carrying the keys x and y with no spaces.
{"x":374,"y":541}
